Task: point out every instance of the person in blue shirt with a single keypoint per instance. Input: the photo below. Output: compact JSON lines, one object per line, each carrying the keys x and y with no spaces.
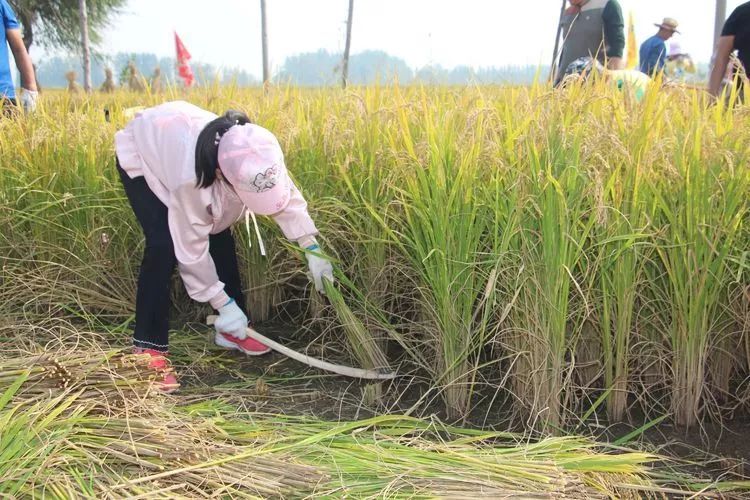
{"x":11,"y":35}
{"x":654,"y":50}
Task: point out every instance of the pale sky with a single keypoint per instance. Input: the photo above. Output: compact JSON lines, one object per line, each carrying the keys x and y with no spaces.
{"x":477,"y":33}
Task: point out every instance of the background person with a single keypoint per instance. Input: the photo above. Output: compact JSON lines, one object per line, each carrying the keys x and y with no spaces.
{"x":189,"y":175}
{"x":734,"y":36}
{"x":631,"y":82}
{"x":653,"y":52}
{"x":679,"y":63}
{"x":12,"y":36}
{"x":592,"y":28}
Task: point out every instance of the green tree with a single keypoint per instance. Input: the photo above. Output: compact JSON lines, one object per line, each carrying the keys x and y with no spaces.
{"x":55,"y":23}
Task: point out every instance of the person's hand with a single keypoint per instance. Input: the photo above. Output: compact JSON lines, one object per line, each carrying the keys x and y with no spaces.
{"x":28,"y":100}
{"x":231,"y":320}
{"x":319,"y":267}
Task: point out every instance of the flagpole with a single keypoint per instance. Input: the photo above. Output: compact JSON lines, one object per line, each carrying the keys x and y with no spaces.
{"x":632,"y":62}
{"x":553,"y":66}
{"x":348,"y":46}
{"x":264,"y":42}
{"x":721,"y":16}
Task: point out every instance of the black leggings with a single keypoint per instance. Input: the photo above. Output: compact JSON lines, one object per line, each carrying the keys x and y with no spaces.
{"x":152,"y":301}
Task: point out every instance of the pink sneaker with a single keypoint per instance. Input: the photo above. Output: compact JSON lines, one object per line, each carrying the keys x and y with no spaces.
{"x":160,"y":363}
{"x":249,"y":346}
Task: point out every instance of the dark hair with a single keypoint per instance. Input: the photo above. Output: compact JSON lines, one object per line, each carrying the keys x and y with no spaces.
{"x":207,"y":146}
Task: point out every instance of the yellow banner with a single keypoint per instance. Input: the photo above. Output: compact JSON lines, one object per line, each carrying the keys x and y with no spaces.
{"x":632,"y":61}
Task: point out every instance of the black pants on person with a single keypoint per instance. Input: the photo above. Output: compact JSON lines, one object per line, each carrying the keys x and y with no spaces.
{"x":152,"y":301}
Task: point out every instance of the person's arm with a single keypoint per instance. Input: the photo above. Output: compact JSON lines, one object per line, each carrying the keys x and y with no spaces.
{"x":296,"y":224}
{"x":723,"y":51}
{"x":190,"y":226}
{"x":294,"y":221}
{"x":614,"y":34}
{"x":721,"y":60}
{"x":22,"y":58}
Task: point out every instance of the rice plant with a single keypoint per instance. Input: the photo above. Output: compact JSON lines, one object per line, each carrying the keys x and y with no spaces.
{"x":552,"y":247}
{"x":703,"y":207}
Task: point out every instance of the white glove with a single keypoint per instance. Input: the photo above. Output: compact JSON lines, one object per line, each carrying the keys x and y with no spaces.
{"x":231,"y":320}
{"x":319,"y":268}
{"x":28,"y":100}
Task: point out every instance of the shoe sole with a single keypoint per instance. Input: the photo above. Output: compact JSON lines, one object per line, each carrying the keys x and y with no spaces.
{"x":229,"y":345}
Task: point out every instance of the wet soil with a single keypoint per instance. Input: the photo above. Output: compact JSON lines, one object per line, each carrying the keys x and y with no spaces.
{"x":719,"y":451}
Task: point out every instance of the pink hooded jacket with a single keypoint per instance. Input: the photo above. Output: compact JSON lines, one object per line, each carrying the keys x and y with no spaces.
{"x":159,"y":144}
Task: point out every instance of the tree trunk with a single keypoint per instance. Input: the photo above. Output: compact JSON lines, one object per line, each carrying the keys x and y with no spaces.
{"x":347,"y":47}
{"x":264,"y":41}
{"x":85,"y":45}
{"x":556,"y":54}
{"x":721,"y":16}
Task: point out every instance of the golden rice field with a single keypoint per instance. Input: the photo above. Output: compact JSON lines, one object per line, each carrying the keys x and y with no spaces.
{"x":527,"y":259}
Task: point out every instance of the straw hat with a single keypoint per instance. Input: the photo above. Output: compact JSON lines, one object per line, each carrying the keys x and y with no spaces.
{"x":668,"y":24}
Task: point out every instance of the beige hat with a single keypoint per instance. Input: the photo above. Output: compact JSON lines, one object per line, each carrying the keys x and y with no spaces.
{"x":668,"y":24}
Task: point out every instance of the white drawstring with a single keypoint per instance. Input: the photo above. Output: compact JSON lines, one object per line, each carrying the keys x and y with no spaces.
{"x":249,"y":214}
{"x":247,"y":228}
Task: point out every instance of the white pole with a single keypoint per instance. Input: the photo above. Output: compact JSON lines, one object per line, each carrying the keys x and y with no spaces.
{"x":558,"y":31}
{"x":347,"y":47}
{"x":721,"y":16}
{"x":264,"y":41}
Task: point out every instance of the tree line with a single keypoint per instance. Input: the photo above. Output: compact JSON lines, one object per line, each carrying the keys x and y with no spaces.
{"x":51,"y":71}
{"x":313,"y":69}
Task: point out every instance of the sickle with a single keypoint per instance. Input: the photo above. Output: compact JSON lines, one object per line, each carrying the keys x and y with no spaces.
{"x":346,"y":371}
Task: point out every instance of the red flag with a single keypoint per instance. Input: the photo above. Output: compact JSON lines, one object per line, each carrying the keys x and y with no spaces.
{"x":183,"y":66}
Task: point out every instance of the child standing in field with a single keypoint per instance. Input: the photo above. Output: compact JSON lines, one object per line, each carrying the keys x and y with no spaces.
{"x":189,"y":175}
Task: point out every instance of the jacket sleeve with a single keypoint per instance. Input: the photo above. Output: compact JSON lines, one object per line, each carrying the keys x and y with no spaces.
{"x":294,"y":221}
{"x":190,"y":225}
{"x":614,"y":29}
